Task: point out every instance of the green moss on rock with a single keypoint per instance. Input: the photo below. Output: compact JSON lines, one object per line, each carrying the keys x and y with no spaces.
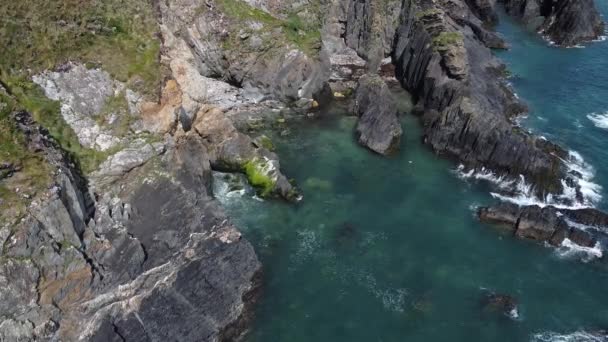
{"x":446,"y":39}
{"x":257,"y":175}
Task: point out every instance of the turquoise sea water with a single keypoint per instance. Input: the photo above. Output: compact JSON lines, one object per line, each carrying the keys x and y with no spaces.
{"x":389,"y":249}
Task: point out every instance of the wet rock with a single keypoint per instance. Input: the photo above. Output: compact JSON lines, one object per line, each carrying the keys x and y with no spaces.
{"x":378,"y":127}
{"x":549,"y":224}
{"x":537,"y":223}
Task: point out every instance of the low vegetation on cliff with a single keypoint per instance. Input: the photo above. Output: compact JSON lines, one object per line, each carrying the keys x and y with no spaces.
{"x":120,"y":37}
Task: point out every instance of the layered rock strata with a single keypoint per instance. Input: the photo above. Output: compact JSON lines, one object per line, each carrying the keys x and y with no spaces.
{"x":97,"y":266}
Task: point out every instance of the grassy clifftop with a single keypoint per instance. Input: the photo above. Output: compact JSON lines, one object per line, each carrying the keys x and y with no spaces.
{"x":120,"y":36}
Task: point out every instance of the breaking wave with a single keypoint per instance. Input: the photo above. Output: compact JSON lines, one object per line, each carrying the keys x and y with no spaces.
{"x":569,"y":249}
{"x":599,"y":120}
{"x":520,"y":192}
{"x":578,"y":336}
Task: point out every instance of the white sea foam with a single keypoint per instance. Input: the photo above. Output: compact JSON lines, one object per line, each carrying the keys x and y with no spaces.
{"x":591,"y":191}
{"x":569,"y":249}
{"x":514,"y":314}
{"x":578,"y":336}
{"x":520,"y":192}
{"x":600,"y":120}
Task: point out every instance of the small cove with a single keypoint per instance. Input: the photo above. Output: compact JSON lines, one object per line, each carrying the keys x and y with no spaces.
{"x":389,"y":249}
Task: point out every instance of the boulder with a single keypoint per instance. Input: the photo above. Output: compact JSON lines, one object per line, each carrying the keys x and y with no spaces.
{"x":378,"y":127}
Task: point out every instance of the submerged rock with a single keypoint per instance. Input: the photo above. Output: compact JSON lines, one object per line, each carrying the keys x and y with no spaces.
{"x":500,"y":303}
{"x":378,"y":127}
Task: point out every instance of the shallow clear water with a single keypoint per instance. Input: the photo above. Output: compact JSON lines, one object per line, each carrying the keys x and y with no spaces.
{"x":389,"y":249}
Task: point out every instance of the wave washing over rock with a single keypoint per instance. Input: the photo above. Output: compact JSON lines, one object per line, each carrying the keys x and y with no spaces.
{"x":584,"y":194}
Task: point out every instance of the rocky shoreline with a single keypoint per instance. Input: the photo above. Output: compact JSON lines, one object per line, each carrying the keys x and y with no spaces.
{"x":126,"y":251}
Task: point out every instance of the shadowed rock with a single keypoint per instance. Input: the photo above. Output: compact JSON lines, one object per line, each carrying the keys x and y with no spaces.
{"x":565,"y":22}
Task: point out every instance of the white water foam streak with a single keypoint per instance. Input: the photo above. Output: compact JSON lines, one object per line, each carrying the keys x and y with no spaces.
{"x":600,"y":120}
{"x":578,"y":336}
{"x":569,"y":249}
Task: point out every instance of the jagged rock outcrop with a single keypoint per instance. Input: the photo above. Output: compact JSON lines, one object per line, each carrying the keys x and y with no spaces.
{"x":564,"y":22}
{"x":584,"y":227}
{"x":467,"y":108}
{"x":84,"y":94}
{"x":378,"y":127}
{"x":129,"y":263}
{"x":232,"y":151}
{"x":246,"y":47}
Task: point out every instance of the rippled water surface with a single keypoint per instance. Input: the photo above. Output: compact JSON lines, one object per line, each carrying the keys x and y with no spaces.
{"x":389,"y":250}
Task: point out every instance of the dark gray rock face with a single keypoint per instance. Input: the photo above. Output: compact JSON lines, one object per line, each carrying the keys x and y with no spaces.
{"x":370,"y":27}
{"x":130,"y":263}
{"x":378,"y":127}
{"x":565,"y":22}
{"x":484,"y":10}
{"x":584,"y":227}
{"x":467,"y":107}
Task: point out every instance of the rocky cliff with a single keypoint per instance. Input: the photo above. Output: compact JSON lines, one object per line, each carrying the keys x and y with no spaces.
{"x":98,"y":265}
{"x":119,"y":237}
{"x":467,"y":108}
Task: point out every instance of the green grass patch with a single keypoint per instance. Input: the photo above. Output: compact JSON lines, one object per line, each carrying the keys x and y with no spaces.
{"x":119,"y":35}
{"x":46,"y":112}
{"x":447,"y":39}
{"x":34,"y":174}
{"x":428,"y":13}
{"x":294,"y":30}
{"x":118,"y":107}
